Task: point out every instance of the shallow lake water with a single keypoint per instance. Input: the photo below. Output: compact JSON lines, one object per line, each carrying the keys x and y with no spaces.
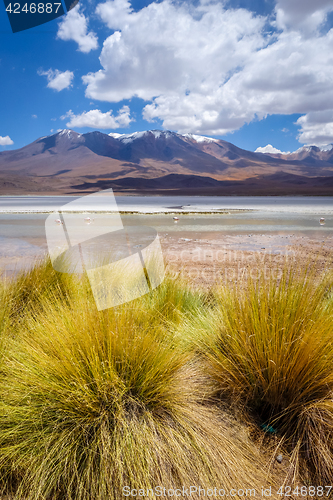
{"x":22,"y":219}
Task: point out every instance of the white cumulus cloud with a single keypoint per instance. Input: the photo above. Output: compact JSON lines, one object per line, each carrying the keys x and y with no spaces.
{"x":75,"y":27}
{"x":96,"y":119}
{"x":306,"y":15}
{"x":6,"y":141}
{"x":182,"y":49}
{"x":270,"y":149}
{"x":316,"y":128}
{"x":207,"y":69}
{"x":58,"y":80}
{"x":290,"y":75}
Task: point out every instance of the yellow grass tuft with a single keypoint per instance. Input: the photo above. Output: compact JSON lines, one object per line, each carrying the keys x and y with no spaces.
{"x":269,"y":348}
{"x":95,"y":401}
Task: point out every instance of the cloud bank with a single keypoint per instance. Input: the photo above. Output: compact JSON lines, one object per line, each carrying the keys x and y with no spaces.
{"x":304,"y":15}
{"x":207,"y":69}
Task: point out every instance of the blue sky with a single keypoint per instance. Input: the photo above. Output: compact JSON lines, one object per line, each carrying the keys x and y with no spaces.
{"x":252,"y":72}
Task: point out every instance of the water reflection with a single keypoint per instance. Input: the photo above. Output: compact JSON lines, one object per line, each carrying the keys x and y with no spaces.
{"x":31,"y":227}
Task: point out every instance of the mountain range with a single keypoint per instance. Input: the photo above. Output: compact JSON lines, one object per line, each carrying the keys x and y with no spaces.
{"x":160,"y":162}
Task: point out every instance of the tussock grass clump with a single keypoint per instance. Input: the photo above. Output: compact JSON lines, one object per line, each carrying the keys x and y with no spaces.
{"x":173,"y":300}
{"x":29,"y":288}
{"x":95,"y":401}
{"x":269,"y":348}
{"x":4,"y":320}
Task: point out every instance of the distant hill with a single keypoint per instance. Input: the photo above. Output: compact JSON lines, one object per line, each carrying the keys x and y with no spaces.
{"x":160,"y":162}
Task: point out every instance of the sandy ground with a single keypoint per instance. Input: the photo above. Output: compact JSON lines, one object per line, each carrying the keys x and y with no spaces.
{"x":217,"y":258}
{"x":206,"y":259}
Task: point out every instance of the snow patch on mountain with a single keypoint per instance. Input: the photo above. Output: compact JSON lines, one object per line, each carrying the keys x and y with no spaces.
{"x":302,"y":149}
{"x":327,"y":147}
{"x":200,"y":138}
{"x":69,"y":133}
{"x":127,"y":138}
{"x":115,"y":135}
{"x":269,"y":149}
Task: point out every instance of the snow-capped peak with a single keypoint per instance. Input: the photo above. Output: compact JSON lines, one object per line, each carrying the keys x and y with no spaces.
{"x":327,"y":147}
{"x":65,"y":131}
{"x":303,"y":148}
{"x":69,"y":133}
{"x":269,"y":149}
{"x":199,"y":138}
{"x":126,"y":138}
{"x":115,"y":135}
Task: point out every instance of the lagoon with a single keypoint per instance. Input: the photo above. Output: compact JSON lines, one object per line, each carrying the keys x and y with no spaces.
{"x":22,"y":218}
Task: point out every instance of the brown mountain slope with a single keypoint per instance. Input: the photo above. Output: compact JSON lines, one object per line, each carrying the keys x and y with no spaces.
{"x":69,"y":162}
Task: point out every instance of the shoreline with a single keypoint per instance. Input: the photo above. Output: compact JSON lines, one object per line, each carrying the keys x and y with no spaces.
{"x":208,"y":259}
{"x":218,"y":211}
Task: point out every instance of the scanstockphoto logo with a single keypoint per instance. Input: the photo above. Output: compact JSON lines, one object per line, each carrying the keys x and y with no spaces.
{"x":122,"y":262}
{"x":24,"y":15}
